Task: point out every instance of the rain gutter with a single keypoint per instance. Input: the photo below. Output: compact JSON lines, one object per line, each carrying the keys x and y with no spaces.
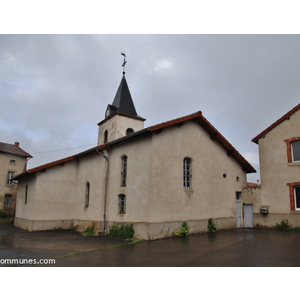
{"x":105,"y":189}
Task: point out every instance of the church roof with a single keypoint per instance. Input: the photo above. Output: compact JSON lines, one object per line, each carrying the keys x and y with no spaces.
{"x":198,"y":117}
{"x":13,"y":149}
{"x":203,"y":122}
{"x":272,"y":126}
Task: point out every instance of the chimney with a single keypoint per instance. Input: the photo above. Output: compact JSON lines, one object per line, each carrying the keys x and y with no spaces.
{"x":17,"y":144}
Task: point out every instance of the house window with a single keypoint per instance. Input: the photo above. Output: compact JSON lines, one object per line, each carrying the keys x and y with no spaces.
{"x":105,"y":136}
{"x":124,"y":171}
{"x":10,"y":175}
{"x":293,"y":149}
{"x":26,"y":193}
{"x":296,"y":150}
{"x":7,"y":201}
{"x":187,"y":173}
{"x":87,"y":194}
{"x":122,"y":204}
{"x":294,"y":191}
{"x":12,"y":162}
{"x":129,"y":131}
{"x":297,"y":197}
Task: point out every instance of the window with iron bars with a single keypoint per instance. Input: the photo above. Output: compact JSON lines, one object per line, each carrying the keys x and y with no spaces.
{"x":122,"y":204}
{"x":7,"y":201}
{"x":124,"y":171}
{"x":187,"y":174}
{"x":10,"y":175}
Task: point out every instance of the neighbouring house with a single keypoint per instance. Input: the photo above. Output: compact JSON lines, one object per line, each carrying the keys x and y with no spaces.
{"x":154,"y":177}
{"x":278,"y":197}
{"x":13,"y":161}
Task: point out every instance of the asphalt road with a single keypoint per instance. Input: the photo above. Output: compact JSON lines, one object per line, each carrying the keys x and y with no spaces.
{"x":226,"y":248}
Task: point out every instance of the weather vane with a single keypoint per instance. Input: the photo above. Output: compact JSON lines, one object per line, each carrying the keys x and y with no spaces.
{"x":124,"y":62}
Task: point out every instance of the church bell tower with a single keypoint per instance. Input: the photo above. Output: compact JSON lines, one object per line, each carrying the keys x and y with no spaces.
{"x":121,"y":118}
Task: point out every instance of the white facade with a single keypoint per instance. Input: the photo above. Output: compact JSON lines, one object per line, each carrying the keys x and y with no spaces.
{"x":156,"y":200}
{"x":155,"y":178}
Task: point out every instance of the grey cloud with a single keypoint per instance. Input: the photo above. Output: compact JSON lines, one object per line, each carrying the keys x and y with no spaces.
{"x":54,"y":88}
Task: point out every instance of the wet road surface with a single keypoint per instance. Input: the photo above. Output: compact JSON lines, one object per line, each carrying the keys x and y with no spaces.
{"x":227,"y":248}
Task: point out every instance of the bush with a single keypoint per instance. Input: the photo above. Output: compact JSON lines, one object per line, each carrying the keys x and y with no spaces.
{"x":184,"y":231}
{"x":284,"y":225}
{"x":2,"y":214}
{"x":122,"y":231}
{"x":89,"y":231}
{"x":211,"y":225}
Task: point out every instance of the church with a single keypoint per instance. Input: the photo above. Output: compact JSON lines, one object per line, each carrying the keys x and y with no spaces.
{"x":154,"y":178}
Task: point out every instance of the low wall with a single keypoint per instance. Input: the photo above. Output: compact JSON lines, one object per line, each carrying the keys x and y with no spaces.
{"x":145,"y":231}
{"x":271,"y":219}
{"x":39,"y":225}
{"x":152,"y":231}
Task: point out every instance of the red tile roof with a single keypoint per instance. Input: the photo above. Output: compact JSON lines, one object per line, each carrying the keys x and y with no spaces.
{"x":214,"y":133}
{"x":13,"y":149}
{"x":283,"y":118}
{"x":175,"y":121}
{"x":51,"y":164}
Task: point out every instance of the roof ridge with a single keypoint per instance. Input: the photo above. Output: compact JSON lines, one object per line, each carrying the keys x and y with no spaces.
{"x":175,"y":121}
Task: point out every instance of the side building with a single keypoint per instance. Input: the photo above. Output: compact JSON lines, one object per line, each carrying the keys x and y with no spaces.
{"x":278,"y":197}
{"x":13,"y":161}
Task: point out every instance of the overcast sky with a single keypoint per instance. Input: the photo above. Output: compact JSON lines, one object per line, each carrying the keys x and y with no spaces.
{"x":54,"y":89}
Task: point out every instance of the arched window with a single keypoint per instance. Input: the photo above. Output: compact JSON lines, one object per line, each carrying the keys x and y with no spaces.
{"x":122,"y":204}
{"x":187,"y":173}
{"x":124,"y":171}
{"x":105,"y":136}
{"x":129,"y":131}
{"x":87,"y":194}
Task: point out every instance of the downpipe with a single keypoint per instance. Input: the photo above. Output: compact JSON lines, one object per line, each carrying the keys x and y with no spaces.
{"x":105,"y":188}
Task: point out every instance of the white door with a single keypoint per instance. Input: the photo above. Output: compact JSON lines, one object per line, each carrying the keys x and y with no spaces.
{"x":248,"y":215}
{"x":238,"y":209}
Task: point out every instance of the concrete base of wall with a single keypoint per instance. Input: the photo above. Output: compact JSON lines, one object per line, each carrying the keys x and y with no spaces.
{"x":270,"y":220}
{"x":159,"y":230}
{"x":39,"y":225}
{"x":143,"y":230}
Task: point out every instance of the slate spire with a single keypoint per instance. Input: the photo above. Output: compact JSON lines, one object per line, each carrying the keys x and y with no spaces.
{"x":123,"y":101}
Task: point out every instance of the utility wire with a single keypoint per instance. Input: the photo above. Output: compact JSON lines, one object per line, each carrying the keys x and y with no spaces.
{"x":61,"y":149}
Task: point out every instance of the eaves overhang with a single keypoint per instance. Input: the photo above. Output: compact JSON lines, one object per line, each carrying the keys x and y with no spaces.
{"x":198,"y":117}
{"x":231,"y":151}
{"x":123,"y":115}
{"x":279,"y":121}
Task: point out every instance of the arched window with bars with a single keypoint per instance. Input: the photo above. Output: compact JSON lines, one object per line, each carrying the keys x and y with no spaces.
{"x":187,"y":173}
{"x":124,"y":171}
{"x":87,"y":194}
{"x":122,"y":204}
{"x":105,"y":137}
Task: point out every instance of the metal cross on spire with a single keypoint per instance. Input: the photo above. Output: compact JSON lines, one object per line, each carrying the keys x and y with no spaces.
{"x":124,"y":62}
